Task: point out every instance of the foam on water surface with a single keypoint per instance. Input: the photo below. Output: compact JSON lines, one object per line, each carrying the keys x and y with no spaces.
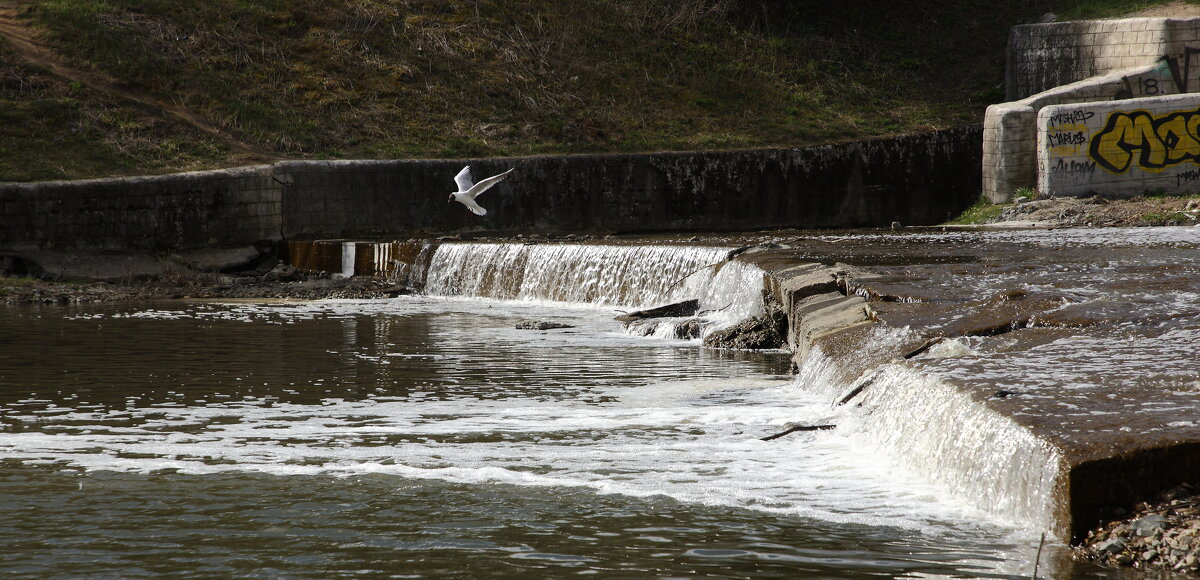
{"x":696,"y":440}
{"x":630,"y":277}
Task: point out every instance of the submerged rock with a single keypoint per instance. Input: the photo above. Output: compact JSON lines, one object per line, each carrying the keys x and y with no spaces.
{"x":540,"y":325}
{"x":691,"y":328}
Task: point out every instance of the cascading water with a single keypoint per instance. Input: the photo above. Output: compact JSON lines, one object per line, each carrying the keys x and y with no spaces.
{"x":602,"y":275}
{"x":418,"y":434}
{"x":895,"y":414}
{"x":965,"y":448}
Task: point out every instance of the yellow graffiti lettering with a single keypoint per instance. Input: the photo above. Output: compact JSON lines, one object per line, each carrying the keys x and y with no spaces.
{"x":1137,"y":137}
{"x":1183,"y":146}
{"x":1125,"y":133}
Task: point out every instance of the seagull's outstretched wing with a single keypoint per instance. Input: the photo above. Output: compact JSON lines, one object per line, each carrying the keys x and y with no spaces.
{"x":471,"y":205}
{"x":463,"y":179}
{"x":482,"y":186}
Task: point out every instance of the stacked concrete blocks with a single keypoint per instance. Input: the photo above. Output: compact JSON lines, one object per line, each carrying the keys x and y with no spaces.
{"x":1080,"y":62}
{"x":1044,"y":56}
{"x":1009,"y":160}
{"x":1010,"y":129}
{"x":1122,"y":148}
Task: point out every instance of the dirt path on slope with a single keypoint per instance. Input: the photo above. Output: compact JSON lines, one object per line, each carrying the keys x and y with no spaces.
{"x":24,"y":43}
{"x":1176,"y":9}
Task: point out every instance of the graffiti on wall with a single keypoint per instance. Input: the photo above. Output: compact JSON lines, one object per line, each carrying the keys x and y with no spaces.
{"x":1066,"y":131}
{"x":1143,"y":139}
{"x":1169,"y":78}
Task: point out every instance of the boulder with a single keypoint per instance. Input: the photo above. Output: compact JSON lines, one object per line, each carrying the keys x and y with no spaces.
{"x":768,"y":331}
{"x":1146,"y":525}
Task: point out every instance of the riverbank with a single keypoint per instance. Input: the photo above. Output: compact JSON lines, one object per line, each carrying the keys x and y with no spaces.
{"x":903,"y":279}
{"x":1060,"y":212}
{"x":1163,"y":535}
{"x":195,"y":286}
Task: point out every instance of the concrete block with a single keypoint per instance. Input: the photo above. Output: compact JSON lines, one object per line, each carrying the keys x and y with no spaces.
{"x":1124,"y":147}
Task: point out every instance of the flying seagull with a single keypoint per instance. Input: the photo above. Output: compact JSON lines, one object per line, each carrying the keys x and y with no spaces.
{"x":467,"y":191}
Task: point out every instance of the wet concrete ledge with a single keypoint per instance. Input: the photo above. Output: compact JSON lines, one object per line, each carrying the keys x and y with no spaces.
{"x":1081,"y":459}
{"x":1103,"y":452}
{"x":916,"y":179}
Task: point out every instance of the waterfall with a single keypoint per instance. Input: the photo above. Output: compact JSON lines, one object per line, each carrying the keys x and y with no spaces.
{"x":972,"y":452}
{"x":633,"y":277}
{"x":962,"y":444}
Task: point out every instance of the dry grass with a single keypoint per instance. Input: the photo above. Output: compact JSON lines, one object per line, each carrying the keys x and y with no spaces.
{"x":461,"y":78}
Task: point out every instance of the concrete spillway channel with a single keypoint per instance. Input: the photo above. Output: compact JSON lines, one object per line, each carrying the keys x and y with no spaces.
{"x":1050,"y":378}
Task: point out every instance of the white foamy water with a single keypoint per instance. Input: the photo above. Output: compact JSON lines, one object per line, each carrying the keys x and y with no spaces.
{"x":441,"y":393}
{"x":687,"y":442}
{"x":617,"y":276}
{"x":694,"y":440}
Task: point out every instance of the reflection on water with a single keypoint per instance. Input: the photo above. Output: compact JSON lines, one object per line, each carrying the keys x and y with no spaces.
{"x":429,"y":437}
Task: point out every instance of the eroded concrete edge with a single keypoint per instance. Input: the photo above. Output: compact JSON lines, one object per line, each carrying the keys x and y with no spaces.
{"x":829,"y":307}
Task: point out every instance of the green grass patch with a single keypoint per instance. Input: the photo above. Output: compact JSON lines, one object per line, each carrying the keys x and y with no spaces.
{"x":980,"y":212}
{"x":1086,"y":9}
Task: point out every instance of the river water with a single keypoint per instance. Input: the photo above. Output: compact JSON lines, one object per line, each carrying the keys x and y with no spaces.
{"x":426,"y":436}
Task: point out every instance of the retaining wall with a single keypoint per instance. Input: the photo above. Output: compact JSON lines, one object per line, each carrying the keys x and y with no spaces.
{"x":186,"y":210}
{"x":918,"y":179}
{"x":1044,"y":56}
{"x":1120,"y":147}
{"x":1080,"y":62}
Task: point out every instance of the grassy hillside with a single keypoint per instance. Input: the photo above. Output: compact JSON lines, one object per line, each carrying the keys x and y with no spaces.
{"x":144,"y":86}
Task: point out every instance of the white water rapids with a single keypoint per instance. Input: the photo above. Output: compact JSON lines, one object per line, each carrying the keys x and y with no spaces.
{"x":443,"y":388}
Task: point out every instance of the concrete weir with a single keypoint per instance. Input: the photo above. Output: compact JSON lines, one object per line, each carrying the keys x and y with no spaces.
{"x":1055,"y":395}
{"x":1052,"y":389}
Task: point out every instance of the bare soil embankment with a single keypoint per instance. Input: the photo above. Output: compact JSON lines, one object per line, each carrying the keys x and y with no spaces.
{"x":1100,"y":212}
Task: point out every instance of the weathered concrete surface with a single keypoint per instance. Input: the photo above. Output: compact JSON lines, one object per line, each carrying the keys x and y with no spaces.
{"x":230,"y":207}
{"x":1093,"y":366}
{"x":1011,"y":133}
{"x":917,"y":179}
{"x":1122,"y":148}
{"x":1063,"y":63}
{"x":1047,"y":55}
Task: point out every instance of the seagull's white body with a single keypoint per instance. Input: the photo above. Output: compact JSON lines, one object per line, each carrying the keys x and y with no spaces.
{"x":467,"y":191}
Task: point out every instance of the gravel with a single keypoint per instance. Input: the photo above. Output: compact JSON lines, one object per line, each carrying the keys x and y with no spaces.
{"x":1165,"y":535}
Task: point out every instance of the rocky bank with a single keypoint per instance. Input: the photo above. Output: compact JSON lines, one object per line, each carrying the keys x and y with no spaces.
{"x":1165,"y":535}
{"x":1099,"y":212}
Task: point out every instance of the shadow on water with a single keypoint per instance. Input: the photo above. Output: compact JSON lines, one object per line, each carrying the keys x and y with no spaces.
{"x":314,"y":526}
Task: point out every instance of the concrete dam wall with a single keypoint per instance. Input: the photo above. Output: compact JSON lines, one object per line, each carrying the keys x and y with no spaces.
{"x":918,"y":179}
